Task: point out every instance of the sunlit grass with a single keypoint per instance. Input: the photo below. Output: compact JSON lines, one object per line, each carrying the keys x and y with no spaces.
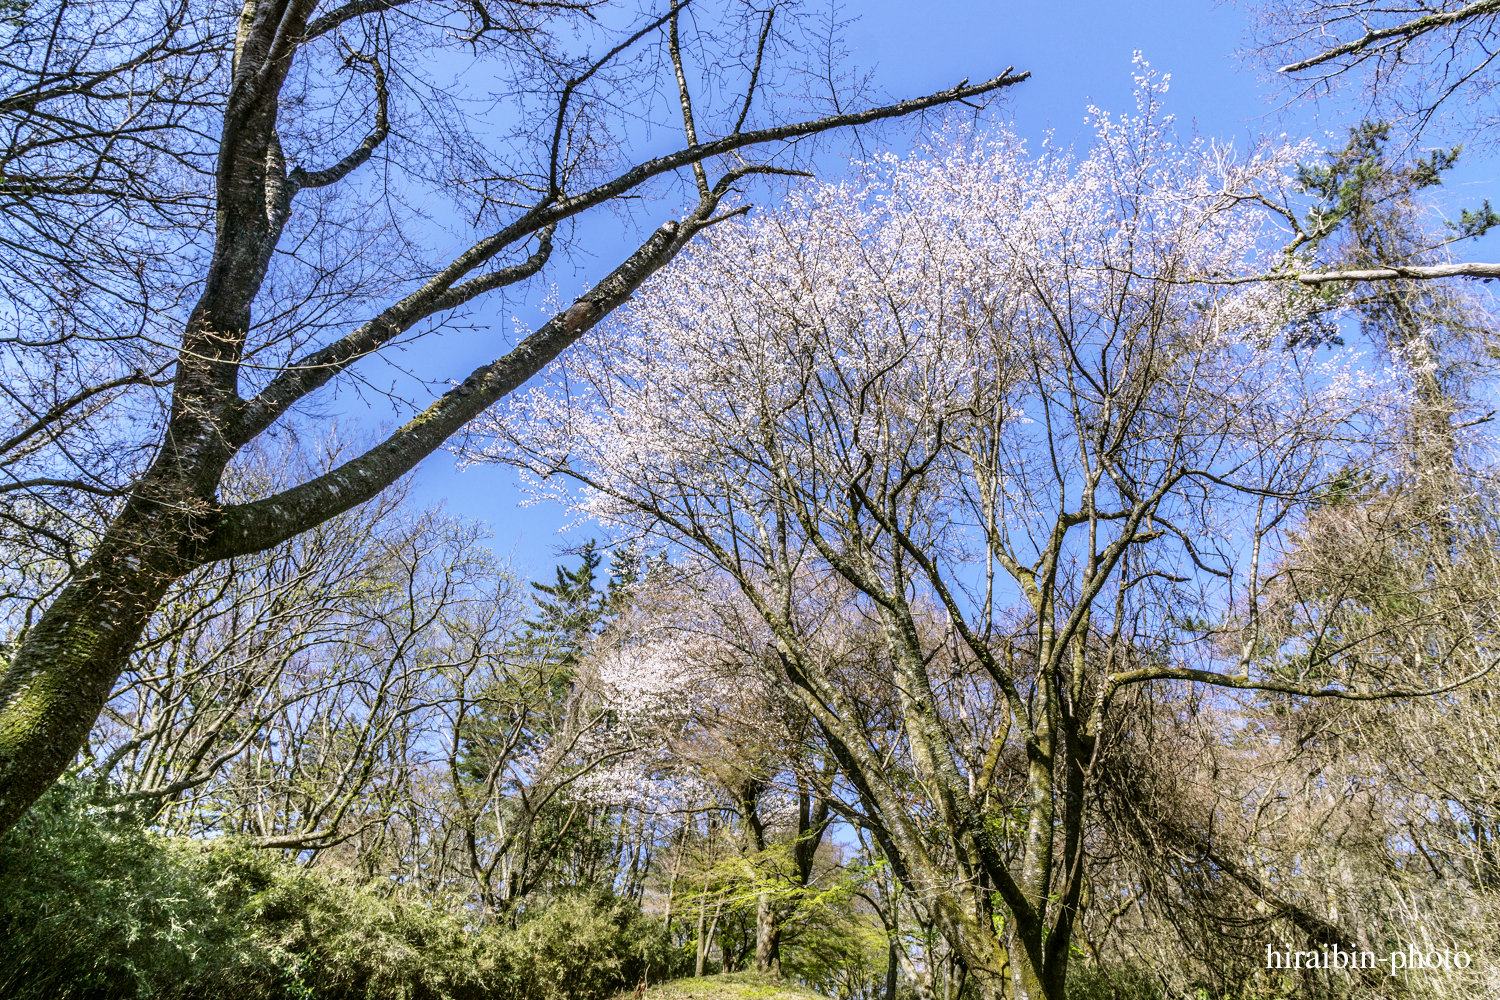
{"x":733,"y":986}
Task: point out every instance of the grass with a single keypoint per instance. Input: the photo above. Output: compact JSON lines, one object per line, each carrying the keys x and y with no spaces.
{"x":734,"y":986}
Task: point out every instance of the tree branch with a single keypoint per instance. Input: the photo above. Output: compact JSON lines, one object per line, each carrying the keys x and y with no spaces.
{"x":1410,"y":29}
{"x":252,"y":527}
{"x":322,"y":178}
{"x":348,"y":12}
{"x":314,"y":370}
{"x":78,"y":398}
{"x":760,"y":51}
{"x":1117,"y":681}
{"x":1423,"y":272}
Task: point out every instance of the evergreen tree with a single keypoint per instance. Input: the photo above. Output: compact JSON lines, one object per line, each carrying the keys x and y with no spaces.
{"x":571,"y":609}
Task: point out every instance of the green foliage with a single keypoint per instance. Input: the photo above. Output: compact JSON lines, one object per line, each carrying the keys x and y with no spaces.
{"x":539,"y":664}
{"x":94,"y":907}
{"x":1474,"y":222}
{"x":569,"y":610}
{"x":1364,"y":213}
{"x":1348,"y":487}
{"x":13,"y":12}
{"x":1124,"y":982}
{"x":99,"y":908}
{"x":731,"y":986}
{"x":1360,"y":187}
{"x":573,"y":608}
{"x":1346,"y":184}
{"x":839,"y":955}
{"x":583,"y":946}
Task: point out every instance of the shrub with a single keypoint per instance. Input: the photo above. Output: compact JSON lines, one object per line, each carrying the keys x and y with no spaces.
{"x":91,"y":905}
{"x":94,"y":907}
{"x":1122,"y":982}
{"x":583,"y":946}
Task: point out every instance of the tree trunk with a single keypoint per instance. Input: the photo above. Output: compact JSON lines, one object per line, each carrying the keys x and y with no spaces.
{"x":713,"y":928}
{"x":67,"y":663}
{"x":767,"y":937}
{"x":702,"y":943}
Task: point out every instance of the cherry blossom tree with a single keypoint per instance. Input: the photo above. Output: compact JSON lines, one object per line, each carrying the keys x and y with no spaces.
{"x":681,"y":676}
{"x":1011,"y":413}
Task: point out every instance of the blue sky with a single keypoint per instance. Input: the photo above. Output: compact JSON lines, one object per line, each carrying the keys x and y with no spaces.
{"x":1078,"y":53}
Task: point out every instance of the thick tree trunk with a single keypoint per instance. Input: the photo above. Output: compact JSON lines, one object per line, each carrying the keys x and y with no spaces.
{"x":767,"y":937}
{"x":66,"y":664}
{"x":66,"y":667}
{"x":1034,"y":985}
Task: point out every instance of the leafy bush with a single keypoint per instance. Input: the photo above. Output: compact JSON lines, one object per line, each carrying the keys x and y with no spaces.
{"x":93,"y":907}
{"x":583,"y":946}
{"x":1121,"y":982}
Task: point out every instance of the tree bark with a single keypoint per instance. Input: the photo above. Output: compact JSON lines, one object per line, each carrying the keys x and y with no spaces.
{"x":767,"y":937}
{"x":1414,"y":272}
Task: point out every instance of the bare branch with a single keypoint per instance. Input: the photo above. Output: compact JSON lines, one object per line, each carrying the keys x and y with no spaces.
{"x":348,"y":12}
{"x":760,"y":52}
{"x":575,"y":82}
{"x":1117,"y":681}
{"x":322,"y":178}
{"x":1411,"y":29}
{"x":685,"y":100}
{"x":438,"y":294}
{"x":60,"y":409}
{"x":255,"y":526}
{"x":1424,"y":272}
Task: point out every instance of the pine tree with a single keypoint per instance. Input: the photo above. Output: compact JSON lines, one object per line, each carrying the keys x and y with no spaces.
{"x":572,"y":608}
